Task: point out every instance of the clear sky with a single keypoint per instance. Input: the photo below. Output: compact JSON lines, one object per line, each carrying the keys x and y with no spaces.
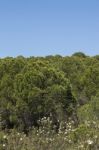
{"x":48,"y":27}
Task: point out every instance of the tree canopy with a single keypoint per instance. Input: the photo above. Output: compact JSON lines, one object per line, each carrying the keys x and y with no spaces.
{"x":31,"y":88}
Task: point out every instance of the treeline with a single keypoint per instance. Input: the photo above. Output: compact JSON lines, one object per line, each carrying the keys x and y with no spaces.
{"x":57,"y":87}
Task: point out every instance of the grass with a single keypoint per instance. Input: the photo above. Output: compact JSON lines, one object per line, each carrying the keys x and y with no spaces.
{"x":83,"y":137}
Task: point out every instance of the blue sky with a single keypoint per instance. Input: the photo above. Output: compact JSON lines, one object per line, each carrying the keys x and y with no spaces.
{"x":48,"y":27}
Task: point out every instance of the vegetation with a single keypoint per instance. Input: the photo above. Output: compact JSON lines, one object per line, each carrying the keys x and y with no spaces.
{"x":49,"y":103}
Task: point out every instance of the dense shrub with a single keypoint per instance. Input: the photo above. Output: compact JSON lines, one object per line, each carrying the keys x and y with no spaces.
{"x":49,"y":102}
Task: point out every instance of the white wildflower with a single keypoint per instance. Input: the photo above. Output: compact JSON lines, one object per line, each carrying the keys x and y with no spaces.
{"x":65,"y":138}
{"x":21,"y":139}
{"x":4,"y":136}
{"x":65,"y":132}
{"x":69,"y":123}
{"x":18,"y":133}
{"x":89,"y":142}
{"x":69,"y":129}
{"x":4,"y":145}
{"x":95,"y":136}
{"x":69,"y":141}
{"x":81,"y":146}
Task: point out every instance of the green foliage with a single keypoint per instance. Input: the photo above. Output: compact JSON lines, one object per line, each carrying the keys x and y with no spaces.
{"x":31,"y":89}
{"x":47,"y":92}
{"x":89,"y":111}
{"x":79,"y":54}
